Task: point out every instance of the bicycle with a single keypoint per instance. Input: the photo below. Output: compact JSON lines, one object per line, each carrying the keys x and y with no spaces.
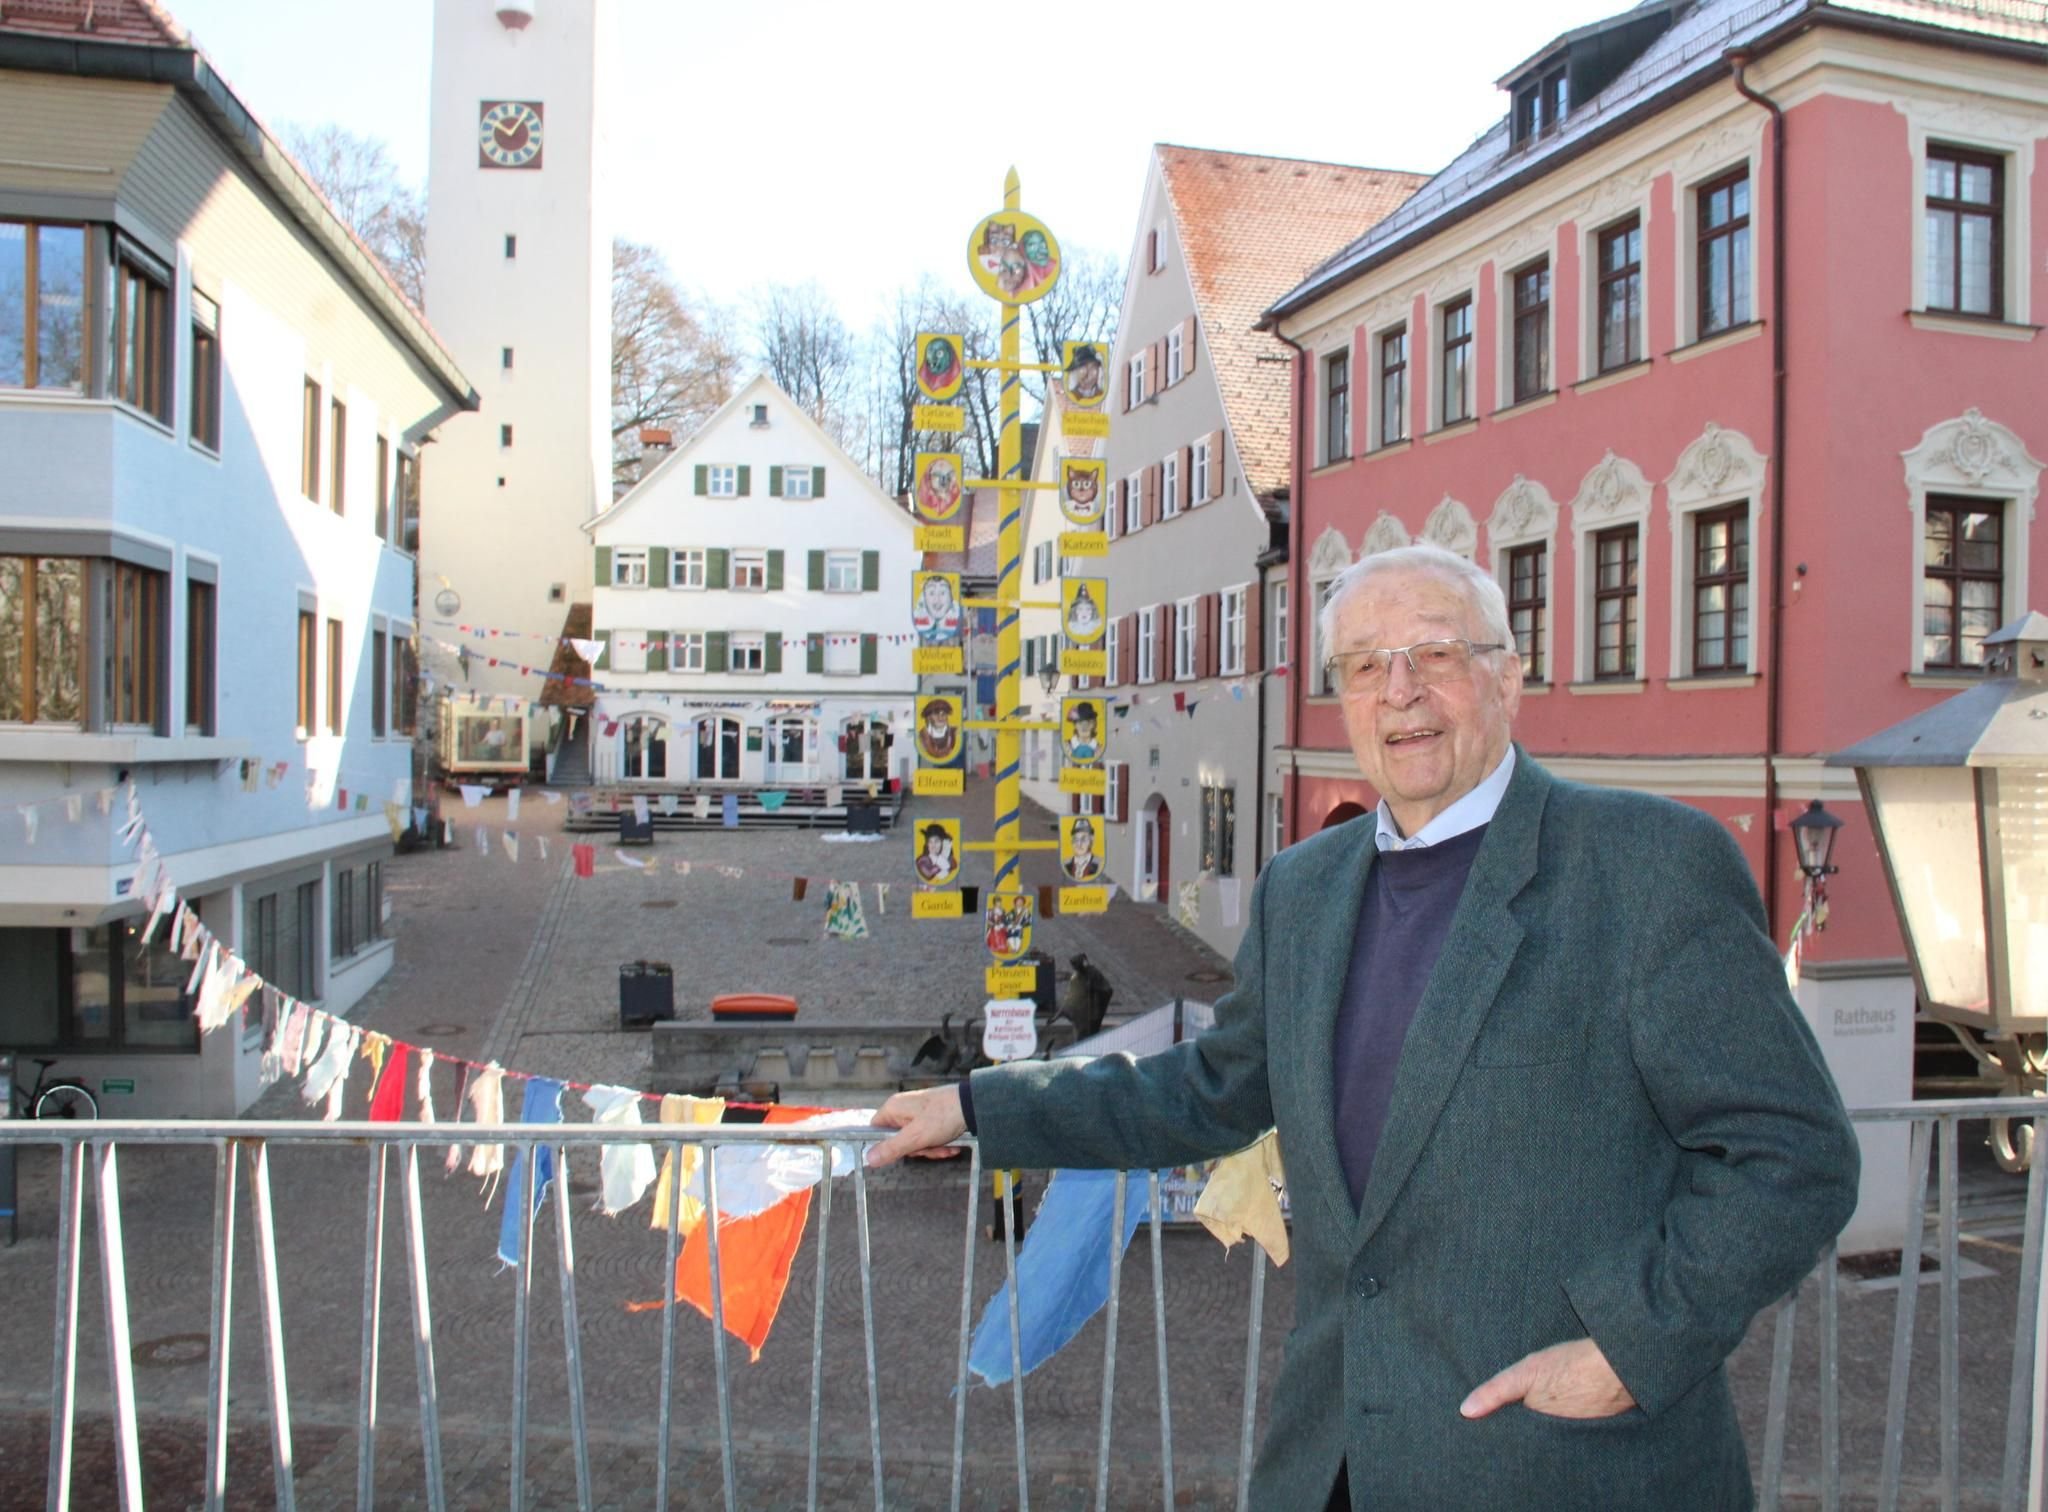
{"x":61,"y":1097}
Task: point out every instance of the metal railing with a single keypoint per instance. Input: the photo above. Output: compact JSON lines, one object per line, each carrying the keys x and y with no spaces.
{"x":89,"y":1156}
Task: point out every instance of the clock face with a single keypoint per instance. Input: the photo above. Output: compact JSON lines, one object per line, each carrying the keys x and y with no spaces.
{"x":509,"y":134}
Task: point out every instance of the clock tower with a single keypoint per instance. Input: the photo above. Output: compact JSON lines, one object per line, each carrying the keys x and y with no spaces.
{"x":519,"y":258}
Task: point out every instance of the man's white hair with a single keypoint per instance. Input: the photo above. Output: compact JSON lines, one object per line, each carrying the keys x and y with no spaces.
{"x":1483,"y":596}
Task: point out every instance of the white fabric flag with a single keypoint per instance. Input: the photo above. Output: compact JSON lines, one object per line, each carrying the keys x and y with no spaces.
{"x":512,"y":806}
{"x":552,"y":798}
{"x":639,"y":808}
{"x":627,"y":1169}
{"x":1227,"y":892}
{"x":332,"y":1067}
{"x":752,"y":1178}
{"x":30,"y":823}
{"x":702,"y":808}
{"x":74,"y":807}
{"x":587,"y":649}
{"x":633,"y":861}
{"x":511,"y":842}
{"x":424,"y":1087}
{"x":483,"y":841}
{"x":473,"y":793}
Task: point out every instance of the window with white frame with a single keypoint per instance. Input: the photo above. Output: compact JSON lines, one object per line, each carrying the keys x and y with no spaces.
{"x":722,"y":480}
{"x":1712,"y":495}
{"x":1113,"y":646}
{"x":1454,"y":361}
{"x":1134,"y":503}
{"x":747,"y":652}
{"x":1972,"y":488}
{"x":1173,"y":356}
{"x":1113,"y":796}
{"x":1041,"y":562}
{"x":629,"y":567}
{"x":1721,"y":268}
{"x":1169,"y":485}
{"x":842,"y":572}
{"x":1148,"y":639}
{"x":749,"y":571}
{"x":1610,"y":522}
{"x":1184,"y":628}
{"x":842,"y":653}
{"x":1963,"y":231}
{"x":1276,"y":807}
{"x":1198,"y":472}
{"x":686,"y":651}
{"x":686,"y":567}
{"x":796,"y":483}
{"x":1276,"y":616}
{"x":1337,"y":405}
{"x":1134,"y":395}
{"x":629,"y":650}
{"x":1618,"y":295}
{"x":1230,"y":658}
{"x":1390,"y":408}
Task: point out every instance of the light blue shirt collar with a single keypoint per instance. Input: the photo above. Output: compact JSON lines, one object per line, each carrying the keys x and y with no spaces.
{"x":1468,"y":813}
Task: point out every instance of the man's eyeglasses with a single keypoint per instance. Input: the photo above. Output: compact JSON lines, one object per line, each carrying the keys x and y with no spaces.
{"x":1433,"y":661}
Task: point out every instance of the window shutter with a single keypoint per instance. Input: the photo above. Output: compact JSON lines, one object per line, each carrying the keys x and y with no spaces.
{"x":657,"y":566}
{"x":1152,"y":250}
{"x":817,"y":482}
{"x":1116,"y":509}
{"x":1123,"y":793}
{"x":771,"y":652}
{"x":746,"y":475}
{"x":604,"y":565}
{"x":814,"y":572}
{"x":1126,"y":668}
{"x":870,"y":571}
{"x":867,"y":656}
{"x":1155,"y":370}
{"x":702,"y":485}
{"x":714,"y":651}
{"x":774,"y":482}
{"x":1150,"y":514}
{"x":1205,"y":635}
{"x":717,"y":568}
{"x":1255,"y":626}
{"x":1187,"y":346}
{"x":1123,"y":388}
{"x":657,"y":650}
{"x":774,"y":572}
{"x":604,"y":651}
{"x":1184,"y":482}
{"x":1215,"y":464}
{"x":814,"y":654}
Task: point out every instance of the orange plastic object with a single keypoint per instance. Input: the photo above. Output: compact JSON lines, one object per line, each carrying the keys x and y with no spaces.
{"x":753,"y":1005}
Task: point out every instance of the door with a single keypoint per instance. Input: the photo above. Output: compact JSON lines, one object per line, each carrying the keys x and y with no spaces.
{"x":646,"y":748}
{"x":1155,"y":843}
{"x":867,"y":742}
{"x":718,"y":749}
{"x":788,"y":757}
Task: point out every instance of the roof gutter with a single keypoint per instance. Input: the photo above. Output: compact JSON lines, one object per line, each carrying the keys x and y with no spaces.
{"x":1309,"y":292}
{"x":186,"y":70}
{"x":1774,"y":690}
{"x":1297,"y":559}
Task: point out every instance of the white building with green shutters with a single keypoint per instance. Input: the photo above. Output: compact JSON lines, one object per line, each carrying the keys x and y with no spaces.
{"x":752,"y":599}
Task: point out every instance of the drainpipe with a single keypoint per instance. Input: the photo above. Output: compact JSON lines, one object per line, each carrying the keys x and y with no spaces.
{"x":1297,"y":553}
{"x":1774,"y":694}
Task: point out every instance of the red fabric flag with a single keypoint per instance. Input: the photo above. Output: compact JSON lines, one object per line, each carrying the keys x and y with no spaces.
{"x":755,"y":1256}
{"x":387,"y":1104}
{"x":586,"y":860}
{"x":1180,"y":703}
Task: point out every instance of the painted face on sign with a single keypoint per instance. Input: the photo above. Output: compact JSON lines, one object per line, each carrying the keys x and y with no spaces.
{"x":1082,"y":488}
{"x":937,"y":597}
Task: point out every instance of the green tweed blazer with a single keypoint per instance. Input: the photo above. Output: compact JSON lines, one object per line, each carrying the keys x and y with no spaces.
{"x":1609,"y":1120}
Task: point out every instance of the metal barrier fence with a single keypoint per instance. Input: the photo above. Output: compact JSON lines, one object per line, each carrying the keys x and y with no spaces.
{"x":90,"y":1152}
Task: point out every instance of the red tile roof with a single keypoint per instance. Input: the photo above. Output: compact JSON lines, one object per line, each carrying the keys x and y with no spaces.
{"x":1251,"y":228}
{"x":131,"y":21}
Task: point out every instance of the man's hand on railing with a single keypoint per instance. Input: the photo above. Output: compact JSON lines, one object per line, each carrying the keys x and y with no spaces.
{"x":927,"y":1122}
{"x":1571,"y":1380}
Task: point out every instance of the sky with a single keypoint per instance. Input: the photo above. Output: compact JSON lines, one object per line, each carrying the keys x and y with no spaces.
{"x":857,"y":142}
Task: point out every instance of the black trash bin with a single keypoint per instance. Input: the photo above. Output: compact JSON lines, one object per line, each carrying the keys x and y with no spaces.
{"x":647,"y":993}
{"x":863,"y":817}
{"x":1043,"y":1001}
{"x":634,"y":831}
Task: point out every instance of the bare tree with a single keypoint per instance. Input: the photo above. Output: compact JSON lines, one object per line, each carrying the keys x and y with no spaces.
{"x":672,"y":364}
{"x":1082,"y":306}
{"x":362,"y":184}
{"x":805,"y":347}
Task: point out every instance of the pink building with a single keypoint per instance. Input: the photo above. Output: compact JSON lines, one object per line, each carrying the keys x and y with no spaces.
{"x":1562,"y":358}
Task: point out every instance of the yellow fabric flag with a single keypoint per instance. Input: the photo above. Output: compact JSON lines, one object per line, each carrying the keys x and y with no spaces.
{"x":677,"y":1108}
{"x":374,"y":1046}
{"x":1242,"y":1198}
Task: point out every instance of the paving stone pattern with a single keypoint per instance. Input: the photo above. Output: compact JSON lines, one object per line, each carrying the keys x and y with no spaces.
{"x":520,"y":961}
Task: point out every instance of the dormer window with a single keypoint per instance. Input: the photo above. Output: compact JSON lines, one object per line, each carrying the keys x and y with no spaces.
{"x":1541,"y":100}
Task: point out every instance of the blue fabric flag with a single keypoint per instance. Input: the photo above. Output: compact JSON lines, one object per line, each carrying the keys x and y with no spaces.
{"x":543,"y":1105}
{"x":731,"y":810}
{"x":1062,"y":1271}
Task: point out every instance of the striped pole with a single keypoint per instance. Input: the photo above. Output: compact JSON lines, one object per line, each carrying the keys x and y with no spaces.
{"x":1009,"y":588}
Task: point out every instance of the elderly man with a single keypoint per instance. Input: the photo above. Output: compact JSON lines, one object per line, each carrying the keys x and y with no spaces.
{"x":1555,"y":1130}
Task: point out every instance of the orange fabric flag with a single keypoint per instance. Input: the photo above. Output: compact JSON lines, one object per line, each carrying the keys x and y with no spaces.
{"x":755,"y":1256}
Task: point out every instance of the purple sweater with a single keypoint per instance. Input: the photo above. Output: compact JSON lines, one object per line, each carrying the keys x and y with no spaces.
{"x":1410,"y":899}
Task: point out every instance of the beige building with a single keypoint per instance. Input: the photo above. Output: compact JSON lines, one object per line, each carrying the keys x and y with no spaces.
{"x":1199,"y":468}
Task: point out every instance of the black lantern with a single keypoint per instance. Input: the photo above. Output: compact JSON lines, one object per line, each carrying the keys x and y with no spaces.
{"x":1813,"y":832}
{"x":1049,"y":677}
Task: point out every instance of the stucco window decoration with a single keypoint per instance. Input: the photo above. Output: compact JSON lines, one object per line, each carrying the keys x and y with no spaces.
{"x":1384,"y":534}
{"x":1524,"y":512}
{"x":1974,"y":458}
{"x":1720,"y":468}
{"x":1613,"y":493}
{"x":1450,"y":526}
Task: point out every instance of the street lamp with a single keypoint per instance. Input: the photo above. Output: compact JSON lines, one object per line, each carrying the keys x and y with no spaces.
{"x":1049,"y":678}
{"x":1958,"y":798}
{"x":1813,"y":834}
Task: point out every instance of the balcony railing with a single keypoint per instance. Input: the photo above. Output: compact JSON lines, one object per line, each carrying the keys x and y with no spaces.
{"x":89,"y":1160}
